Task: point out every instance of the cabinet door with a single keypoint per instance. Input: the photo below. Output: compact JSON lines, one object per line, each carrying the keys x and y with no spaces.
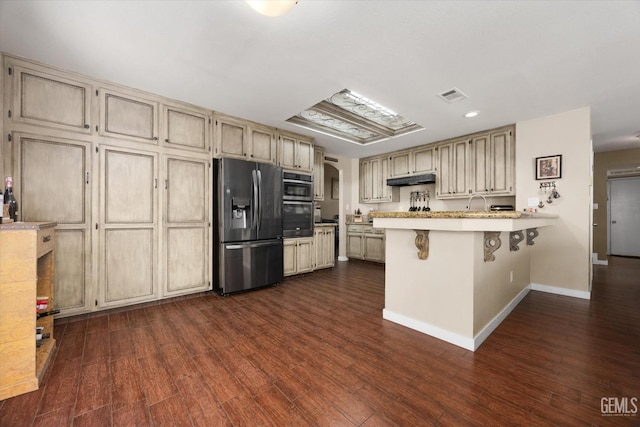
{"x":304,"y":155}
{"x":318,"y":174}
{"x":186,"y":128}
{"x":480,"y":176}
{"x":318,"y":247}
{"x":423,"y":160}
{"x":129,"y":117}
{"x":376,"y":180}
{"x":400,"y":164}
{"x":501,"y":160}
{"x":366,"y":181}
{"x":374,"y":247}
{"x":461,"y":168}
{"x":289,"y":256}
{"x":287,"y":152}
{"x":329,"y":248}
{"x":51,"y":99}
{"x":128,"y":253}
{"x":355,"y":245}
{"x":262,"y":144}
{"x":305,"y":255}
{"x":443,"y":182}
{"x":231,"y":137}
{"x":186,"y":230}
{"x":55,"y":186}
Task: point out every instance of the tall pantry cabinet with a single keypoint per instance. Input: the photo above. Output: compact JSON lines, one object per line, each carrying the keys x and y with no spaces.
{"x":124,"y":173}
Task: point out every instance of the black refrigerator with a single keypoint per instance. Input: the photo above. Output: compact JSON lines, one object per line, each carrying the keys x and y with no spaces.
{"x":247,"y":237}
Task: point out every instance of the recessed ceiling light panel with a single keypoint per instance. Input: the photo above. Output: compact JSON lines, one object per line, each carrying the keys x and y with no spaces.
{"x":471,"y":114}
{"x":354,"y":117}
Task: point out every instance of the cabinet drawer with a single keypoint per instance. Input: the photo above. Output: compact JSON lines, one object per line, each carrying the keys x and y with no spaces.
{"x":356,"y":228}
{"x":46,"y":240}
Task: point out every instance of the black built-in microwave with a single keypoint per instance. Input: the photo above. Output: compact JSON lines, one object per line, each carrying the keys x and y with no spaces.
{"x":297,"y":186}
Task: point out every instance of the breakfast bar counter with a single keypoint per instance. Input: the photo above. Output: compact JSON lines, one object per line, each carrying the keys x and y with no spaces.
{"x":449,"y":274}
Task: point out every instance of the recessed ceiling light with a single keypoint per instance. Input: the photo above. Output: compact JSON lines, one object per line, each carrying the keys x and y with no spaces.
{"x":472,"y":114}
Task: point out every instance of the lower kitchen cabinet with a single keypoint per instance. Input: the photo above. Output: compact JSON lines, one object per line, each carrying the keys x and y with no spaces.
{"x":298,"y":255}
{"x":365,"y":242}
{"x":324,"y":245}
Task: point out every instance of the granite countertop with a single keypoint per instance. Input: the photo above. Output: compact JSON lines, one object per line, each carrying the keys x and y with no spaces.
{"x":462,"y":214}
{"x":325,"y":224}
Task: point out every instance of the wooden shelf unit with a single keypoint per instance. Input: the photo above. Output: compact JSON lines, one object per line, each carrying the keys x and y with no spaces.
{"x":26,"y":272}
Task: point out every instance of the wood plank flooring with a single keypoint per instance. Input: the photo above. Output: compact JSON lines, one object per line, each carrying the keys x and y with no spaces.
{"x":315,"y":351}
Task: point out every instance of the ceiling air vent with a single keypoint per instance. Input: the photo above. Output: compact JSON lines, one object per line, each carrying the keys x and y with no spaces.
{"x":453,"y":95}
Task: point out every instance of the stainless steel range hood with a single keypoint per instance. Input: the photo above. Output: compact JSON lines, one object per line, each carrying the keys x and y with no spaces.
{"x":427,"y":178}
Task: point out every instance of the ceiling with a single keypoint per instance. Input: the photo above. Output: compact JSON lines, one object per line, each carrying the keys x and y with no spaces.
{"x":516,"y":60}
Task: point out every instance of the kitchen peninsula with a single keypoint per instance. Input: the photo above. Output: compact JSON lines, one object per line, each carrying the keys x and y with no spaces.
{"x":456,"y":275}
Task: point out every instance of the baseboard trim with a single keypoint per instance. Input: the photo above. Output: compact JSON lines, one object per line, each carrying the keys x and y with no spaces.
{"x":596,"y":261}
{"x":426,"y":328}
{"x":495,"y":322}
{"x":560,"y":291}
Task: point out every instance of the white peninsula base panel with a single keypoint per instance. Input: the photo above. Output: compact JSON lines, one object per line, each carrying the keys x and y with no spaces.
{"x":454,"y":294}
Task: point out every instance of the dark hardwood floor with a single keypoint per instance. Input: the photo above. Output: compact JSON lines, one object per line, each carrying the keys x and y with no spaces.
{"x":315,"y":351}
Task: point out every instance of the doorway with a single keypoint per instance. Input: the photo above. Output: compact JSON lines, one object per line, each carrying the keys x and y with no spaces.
{"x":624,"y":216}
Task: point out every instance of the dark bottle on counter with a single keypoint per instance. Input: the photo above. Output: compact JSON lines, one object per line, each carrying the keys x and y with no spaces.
{"x":9,"y":199}
{"x":1,"y":205}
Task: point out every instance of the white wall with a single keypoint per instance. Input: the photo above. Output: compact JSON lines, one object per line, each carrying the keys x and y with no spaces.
{"x":561,"y":255}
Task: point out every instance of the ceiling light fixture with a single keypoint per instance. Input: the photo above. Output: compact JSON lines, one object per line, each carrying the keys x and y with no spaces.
{"x":472,"y":114}
{"x":272,"y":7}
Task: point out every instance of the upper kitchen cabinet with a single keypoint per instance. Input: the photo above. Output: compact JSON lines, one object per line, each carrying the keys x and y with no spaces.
{"x":318,"y":173}
{"x":374,"y":173}
{"x":244,"y":140}
{"x":186,"y":128}
{"x":423,"y":160}
{"x":400,"y":164}
{"x":127,"y":116}
{"x":295,"y":152}
{"x":262,"y":143}
{"x":453,"y":173}
{"x":409,"y":162}
{"x":493,"y":163}
{"x":46,"y":97}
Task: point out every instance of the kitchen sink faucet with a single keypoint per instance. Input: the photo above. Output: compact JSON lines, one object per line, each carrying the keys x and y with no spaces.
{"x":486,"y":206}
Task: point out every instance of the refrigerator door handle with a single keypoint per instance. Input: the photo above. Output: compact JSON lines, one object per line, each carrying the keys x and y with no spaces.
{"x":259,"y":199}
{"x":250,"y":245}
{"x":254,"y":184}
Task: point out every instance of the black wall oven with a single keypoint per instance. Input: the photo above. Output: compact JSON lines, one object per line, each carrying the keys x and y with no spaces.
{"x":297,"y":205}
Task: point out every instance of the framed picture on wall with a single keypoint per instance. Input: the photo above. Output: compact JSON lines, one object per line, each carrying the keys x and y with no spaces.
{"x":549,"y":167}
{"x":335,"y":188}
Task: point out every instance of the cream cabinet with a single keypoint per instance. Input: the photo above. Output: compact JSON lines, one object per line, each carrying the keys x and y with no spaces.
{"x":55,"y":184}
{"x":186,"y":127}
{"x":454,"y":169}
{"x":241,"y":139}
{"x":318,"y":173}
{"x":410,"y":162}
{"x":185,"y":231}
{"x":324,"y":246}
{"x":298,"y":255}
{"x":128,"y":116}
{"x":423,"y":160}
{"x":128,"y":254}
{"x":295,"y":152}
{"x":365,"y":242}
{"x":374,"y":173}
{"x":400,"y":164}
{"x":47,"y":97}
{"x":493,"y":163}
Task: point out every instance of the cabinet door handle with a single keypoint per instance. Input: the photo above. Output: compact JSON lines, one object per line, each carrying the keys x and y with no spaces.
{"x":46,"y":239}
